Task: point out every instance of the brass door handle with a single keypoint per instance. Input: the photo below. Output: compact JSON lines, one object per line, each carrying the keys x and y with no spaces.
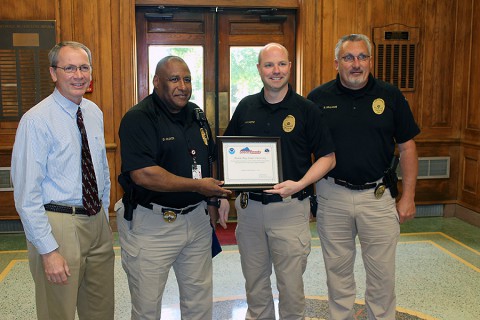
{"x":223,"y":110}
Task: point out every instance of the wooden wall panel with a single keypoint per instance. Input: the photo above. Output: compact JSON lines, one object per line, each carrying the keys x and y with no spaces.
{"x":463,"y":47}
{"x":123,"y":79}
{"x":445,"y":103}
{"x":307,"y":25}
{"x":438,"y":118}
{"x":27,"y":10}
{"x":467,"y":101}
{"x":439,"y":103}
{"x":337,"y":18}
{"x":107,"y":28}
{"x":472,"y":91}
{"x":469,"y":190}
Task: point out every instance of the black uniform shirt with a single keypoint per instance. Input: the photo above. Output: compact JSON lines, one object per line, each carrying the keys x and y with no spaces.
{"x":298,"y":123}
{"x":365,"y":125}
{"x":152,"y":136}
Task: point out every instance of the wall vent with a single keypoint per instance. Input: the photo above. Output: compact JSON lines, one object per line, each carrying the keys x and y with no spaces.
{"x":5,"y":181}
{"x":11,"y":226}
{"x":431,"y":168}
{"x":435,"y":210}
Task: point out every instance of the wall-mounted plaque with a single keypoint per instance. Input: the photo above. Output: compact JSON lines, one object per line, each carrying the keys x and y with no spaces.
{"x":24,"y":69}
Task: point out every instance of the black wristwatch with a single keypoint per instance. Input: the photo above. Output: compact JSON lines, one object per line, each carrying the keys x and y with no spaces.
{"x":213,"y":202}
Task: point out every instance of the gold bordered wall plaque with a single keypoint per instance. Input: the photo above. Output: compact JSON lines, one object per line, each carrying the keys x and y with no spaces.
{"x":24,"y":72}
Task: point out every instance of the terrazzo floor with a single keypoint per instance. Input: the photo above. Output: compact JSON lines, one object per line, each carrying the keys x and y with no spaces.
{"x":438,"y":277}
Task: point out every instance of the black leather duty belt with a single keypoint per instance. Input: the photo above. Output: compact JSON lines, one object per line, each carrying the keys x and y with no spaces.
{"x":66,"y":209}
{"x":266,"y":198}
{"x":351,"y":186}
{"x":176,"y":211}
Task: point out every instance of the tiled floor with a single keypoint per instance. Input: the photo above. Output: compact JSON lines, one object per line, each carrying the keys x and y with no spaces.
{"x":438,"y":277}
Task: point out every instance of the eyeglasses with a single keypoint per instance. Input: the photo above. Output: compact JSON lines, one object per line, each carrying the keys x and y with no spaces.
{"x":350,"y":58}
{"x":72,"y":69}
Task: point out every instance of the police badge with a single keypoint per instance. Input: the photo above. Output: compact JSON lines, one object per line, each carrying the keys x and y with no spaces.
{"x":169,"y":216}
{"x":379,"y":190}
{"x":378,"y":106}
{"x":288,"y":123}
{"x":244,"y":200}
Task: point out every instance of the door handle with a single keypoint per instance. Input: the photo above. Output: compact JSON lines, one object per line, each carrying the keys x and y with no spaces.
{"x":223,"y":110}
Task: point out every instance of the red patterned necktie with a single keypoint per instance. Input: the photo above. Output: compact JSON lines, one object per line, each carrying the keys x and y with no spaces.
{"x":90,"y":199}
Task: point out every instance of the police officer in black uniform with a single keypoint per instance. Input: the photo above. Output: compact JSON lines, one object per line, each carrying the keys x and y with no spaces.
{"x":367,"y":118}
{"x":273,"y":226}
{"x":166,"y":150}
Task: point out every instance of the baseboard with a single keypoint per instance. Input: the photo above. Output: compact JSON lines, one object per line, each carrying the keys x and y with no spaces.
{"x":467,"y":215}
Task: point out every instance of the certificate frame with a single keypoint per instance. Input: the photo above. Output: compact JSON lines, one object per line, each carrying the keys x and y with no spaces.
{"x":249,"y":162}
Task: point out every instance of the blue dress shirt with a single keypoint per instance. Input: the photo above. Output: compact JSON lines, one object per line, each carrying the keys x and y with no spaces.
{"x":46,"y":163}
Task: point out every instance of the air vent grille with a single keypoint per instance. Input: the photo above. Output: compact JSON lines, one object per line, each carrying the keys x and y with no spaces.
{"x":434,"y":210}
{"x":431,"y":168}
{"x":5,"y":181}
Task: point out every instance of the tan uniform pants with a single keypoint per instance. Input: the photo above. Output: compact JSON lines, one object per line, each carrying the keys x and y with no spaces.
{"x":152,"y":246}
{"x":279,"y":234}
{"x":343,"y":215}
{"x":86,"y":244}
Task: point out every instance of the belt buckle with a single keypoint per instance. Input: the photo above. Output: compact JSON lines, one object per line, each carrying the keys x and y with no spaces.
{"x":287,"y":199}
{"x":169,"y":216}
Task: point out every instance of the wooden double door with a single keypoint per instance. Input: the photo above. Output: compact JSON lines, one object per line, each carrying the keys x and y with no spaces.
{"x":219,"y":45}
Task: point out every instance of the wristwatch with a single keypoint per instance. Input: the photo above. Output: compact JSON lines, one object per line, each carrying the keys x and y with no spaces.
{"x":213,"y":202}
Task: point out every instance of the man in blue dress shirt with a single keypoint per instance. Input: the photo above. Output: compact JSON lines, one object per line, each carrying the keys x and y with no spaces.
{"x":70,"y":248}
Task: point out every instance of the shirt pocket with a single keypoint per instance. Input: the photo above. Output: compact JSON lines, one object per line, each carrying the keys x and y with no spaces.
{"x":97,"y":151}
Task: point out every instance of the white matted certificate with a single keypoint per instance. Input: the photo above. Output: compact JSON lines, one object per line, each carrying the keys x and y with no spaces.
{"x":249,"y":162}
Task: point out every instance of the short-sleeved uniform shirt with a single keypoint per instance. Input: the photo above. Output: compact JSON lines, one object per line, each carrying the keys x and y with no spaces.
{"x":150,"y":135}
{"x":365,"y":125}
{"x":297,"y":122}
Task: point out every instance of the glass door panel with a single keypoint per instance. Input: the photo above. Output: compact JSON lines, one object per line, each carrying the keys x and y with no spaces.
{"x":193,"y":56}
{"x":244,"y":78}
{"x":241,"y":36}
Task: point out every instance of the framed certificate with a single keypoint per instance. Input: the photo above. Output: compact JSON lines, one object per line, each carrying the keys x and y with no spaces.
{"x":250,"y":162}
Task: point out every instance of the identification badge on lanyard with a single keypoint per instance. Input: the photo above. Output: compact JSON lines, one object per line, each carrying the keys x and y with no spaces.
{"x":196,"y":171}
{"x":196,"y":168}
